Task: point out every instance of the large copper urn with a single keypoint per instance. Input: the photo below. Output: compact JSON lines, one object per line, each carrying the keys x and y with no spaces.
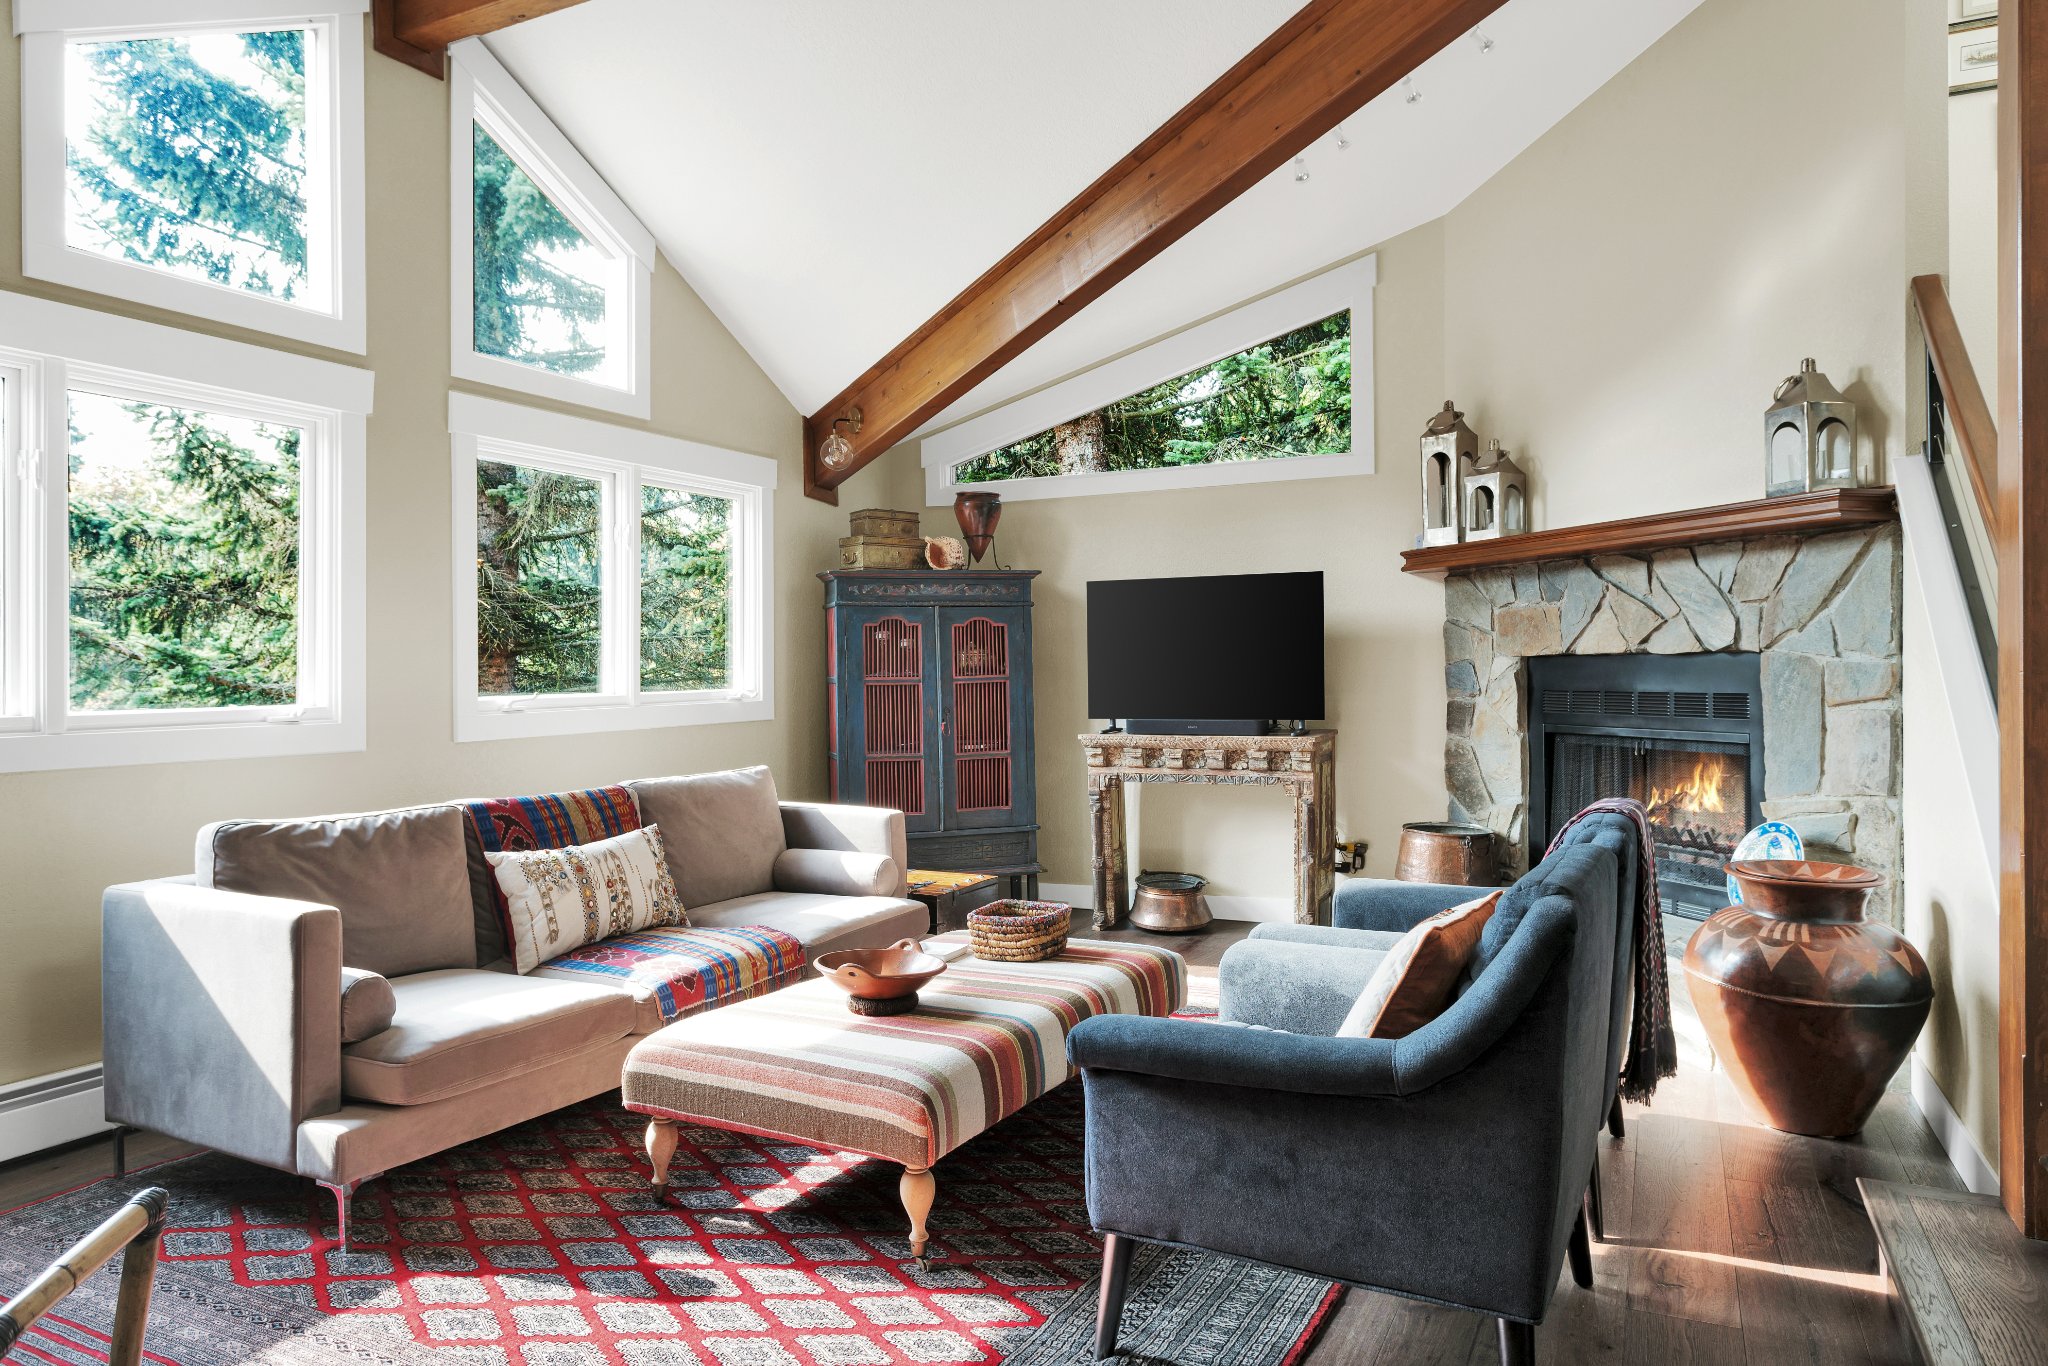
{"x":1810,"y":1007}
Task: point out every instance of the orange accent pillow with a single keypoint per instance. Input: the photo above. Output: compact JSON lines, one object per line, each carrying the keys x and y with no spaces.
{"x":1414,"y":982}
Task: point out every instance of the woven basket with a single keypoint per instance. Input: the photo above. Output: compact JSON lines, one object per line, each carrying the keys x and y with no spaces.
{"x":1019,"y":931}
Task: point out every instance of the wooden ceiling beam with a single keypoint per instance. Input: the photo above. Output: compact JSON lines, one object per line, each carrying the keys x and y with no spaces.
{"x":417,"y":32}
{"x":1321,"y":66}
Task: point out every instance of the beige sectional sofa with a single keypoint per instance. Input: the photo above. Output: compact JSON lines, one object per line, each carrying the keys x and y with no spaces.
{"x":242,"y":1001}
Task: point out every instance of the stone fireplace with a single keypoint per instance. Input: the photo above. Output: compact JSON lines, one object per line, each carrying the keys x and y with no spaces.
{"x":1720,"y":684}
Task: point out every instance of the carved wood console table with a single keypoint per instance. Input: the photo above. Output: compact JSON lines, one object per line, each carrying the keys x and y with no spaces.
{"x":1305,"y":765}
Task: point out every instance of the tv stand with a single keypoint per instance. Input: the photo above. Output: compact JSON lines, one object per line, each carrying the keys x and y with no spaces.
{"x":1304,"y":764}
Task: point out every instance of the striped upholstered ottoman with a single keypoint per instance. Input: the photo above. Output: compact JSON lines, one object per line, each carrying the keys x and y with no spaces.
{"x":985,"y":1040}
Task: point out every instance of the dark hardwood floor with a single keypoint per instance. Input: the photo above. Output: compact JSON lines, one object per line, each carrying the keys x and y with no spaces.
{"x":1727,"y":1242}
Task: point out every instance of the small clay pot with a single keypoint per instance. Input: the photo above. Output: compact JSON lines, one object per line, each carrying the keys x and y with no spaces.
{"x":1809,"y":1007}
{"x":891,"y":974}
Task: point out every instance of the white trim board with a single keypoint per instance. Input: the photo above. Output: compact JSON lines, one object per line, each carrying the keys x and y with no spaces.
{"x":1978,"y":1175}
{"x":43,"y":1112}
{"x":1349,"y":286}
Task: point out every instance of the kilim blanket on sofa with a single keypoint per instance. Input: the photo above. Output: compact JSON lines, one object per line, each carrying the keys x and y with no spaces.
{"x":986,"y":1039}
{"x":689,"y":969}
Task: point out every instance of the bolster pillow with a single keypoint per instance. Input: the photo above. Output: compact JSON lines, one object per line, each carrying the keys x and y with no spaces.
{"x":367,"y":1005}
{"x":835,"y":872}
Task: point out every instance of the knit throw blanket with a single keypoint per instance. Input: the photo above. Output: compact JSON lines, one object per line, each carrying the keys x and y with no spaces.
{"x":1652,"y":1052}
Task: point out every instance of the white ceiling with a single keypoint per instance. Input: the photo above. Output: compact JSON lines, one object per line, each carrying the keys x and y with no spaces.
{"x":827,"y":174}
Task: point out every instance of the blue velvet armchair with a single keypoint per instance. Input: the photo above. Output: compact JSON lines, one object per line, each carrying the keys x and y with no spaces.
{"x":1449,"y":1166}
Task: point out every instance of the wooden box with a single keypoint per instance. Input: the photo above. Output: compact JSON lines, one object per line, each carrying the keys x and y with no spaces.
{"x":881,"y":552}
{"x":884,"y":522}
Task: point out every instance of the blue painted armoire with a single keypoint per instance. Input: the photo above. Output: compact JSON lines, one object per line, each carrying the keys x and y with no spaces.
{"x":930,"y":683}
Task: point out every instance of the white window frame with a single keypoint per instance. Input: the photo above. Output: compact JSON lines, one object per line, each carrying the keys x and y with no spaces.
{"x":482,"y":91}
{"x":625,"y":460}
{"x":56,"y":348}
{"x":335,"y":314}
{"x":1349,"y":286}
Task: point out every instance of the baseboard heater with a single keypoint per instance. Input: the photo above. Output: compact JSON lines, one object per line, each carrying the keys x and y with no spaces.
{"x":43,"y":1112}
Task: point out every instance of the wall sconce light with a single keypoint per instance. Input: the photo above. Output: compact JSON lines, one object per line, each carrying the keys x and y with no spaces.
{"x":1300,"y":170}
{"x":1485,"y":43}
{"x":835,"y":452}
{"x":1409,"y":94}
{"x":1343,"y":143}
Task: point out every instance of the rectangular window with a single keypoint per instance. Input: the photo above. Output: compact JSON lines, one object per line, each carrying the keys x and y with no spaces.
{"x":618,"y":579}
{"x":208,"y":161}
{"x":1280,"y":388}
{"x":184,"y":557}
{"x":552,"y":272}
{"x":180,"y":563}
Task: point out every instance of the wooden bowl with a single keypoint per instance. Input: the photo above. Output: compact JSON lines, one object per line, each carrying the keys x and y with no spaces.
{"x":880,"y":974}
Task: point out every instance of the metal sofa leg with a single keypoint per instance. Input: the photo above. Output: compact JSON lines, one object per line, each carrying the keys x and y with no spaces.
{"x":1615,"y":1125}
{"x":1580,"y":1252}
{"x":343,"y":1197}
{"x":1109,"y":1310}
{"x":1517,"y":1343}
{"x":1596,"y":1217}
{"x":121,"y":1132}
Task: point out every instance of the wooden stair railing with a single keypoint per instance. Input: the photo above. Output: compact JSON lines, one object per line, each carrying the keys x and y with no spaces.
{"x":137,"y":1226}
{"x":1976,"y":435}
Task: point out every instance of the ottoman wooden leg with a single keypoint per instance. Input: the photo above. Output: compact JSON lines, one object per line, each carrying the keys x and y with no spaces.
{"x":918,"y":1189}
{"x":662,"y":1137}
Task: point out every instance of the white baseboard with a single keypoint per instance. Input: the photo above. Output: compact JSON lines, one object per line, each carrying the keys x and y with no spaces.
{"x":1264,"y":909}
{"x":1978,"y":1176}
{"x":43,"y":1112}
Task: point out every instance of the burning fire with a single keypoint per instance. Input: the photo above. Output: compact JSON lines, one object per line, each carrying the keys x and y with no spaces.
{"x":1701,"y":792}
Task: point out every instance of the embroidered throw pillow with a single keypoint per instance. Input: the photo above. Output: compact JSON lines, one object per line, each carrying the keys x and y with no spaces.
{"x":509,"y":825}
{"x":560,"y":899}
{"x":1414,"y":982}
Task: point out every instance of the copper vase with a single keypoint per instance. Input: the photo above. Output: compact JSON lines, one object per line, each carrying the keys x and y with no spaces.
{"x":1810,"y":1007}
{"x":978,"y":514}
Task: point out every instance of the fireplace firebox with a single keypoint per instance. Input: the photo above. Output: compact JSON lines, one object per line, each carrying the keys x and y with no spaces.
{"x":1682,"y":734}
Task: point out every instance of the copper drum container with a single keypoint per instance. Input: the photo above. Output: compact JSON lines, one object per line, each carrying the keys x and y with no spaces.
{"x":1810,"y":1007}
{"x":1442,"y":851}
{"x":1170,"y":903}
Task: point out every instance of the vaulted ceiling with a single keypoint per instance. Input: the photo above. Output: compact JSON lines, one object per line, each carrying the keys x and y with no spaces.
{"x":827,"y":175}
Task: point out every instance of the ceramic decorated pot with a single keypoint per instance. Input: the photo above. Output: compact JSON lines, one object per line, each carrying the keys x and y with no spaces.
{"x":1810,"y":1007}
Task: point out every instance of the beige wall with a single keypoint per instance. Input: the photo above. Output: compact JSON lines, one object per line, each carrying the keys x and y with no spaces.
{"x":65,"y":835}
{"x":1616,"y":305}
{"x":1973,"y":230}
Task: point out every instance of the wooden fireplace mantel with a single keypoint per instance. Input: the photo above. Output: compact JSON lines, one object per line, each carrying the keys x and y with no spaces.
{"x":1796,"y":513}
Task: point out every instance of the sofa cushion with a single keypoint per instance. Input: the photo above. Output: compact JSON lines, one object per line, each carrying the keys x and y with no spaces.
{"x":398,"y":878}
{"x":1415,"y":981}
{"x":837,"y":872}
{"x":458,"y":1031}
{"x":494,"y":825}
{"x":560,"y":899}
{"x":367,"y":1004}
{"x":822,"y":924}
{"x":677,"y":971}
{"x":723,"y":830}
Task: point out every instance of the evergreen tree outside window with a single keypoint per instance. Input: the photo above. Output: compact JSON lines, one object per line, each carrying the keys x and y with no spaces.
{"x":541,"y":285}
{"x":210,"y":163}
{"x":552,"y":274}
{"x":1290,"y":396}
{"x":181,"y":562}
{"x":607,"y":578}
{"x":1276,"y":389}
{"x":184,"y":554}
{"x":685,"y":590}
{"x":539,"y":581}
{"x":187,"y":153}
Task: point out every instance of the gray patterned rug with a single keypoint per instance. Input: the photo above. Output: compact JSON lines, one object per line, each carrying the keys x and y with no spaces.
{"x":1184,"y":1308}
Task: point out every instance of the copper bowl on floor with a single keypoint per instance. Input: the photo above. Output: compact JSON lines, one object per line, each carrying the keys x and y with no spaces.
{"x":880,"y":981}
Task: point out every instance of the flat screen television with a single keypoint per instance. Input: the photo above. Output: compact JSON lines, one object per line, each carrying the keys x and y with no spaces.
{"x":1223,"y":654}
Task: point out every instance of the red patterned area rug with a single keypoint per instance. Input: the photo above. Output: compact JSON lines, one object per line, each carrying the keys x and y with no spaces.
{"x":542,"y":1246}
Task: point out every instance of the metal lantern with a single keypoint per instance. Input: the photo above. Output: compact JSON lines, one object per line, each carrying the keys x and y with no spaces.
{"x":1496,"y":498}
{"x":1450,"y":451}
{"x":1809,"y":436}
